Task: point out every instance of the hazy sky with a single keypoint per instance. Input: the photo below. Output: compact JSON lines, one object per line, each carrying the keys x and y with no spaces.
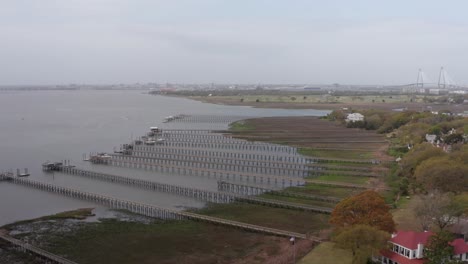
{"x":236,"y":41}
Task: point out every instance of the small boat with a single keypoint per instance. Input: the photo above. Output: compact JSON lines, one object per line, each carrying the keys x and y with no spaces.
{"x":150,"y":142}
{"x":168,"y":118}
{"x":22,"y":174}
{"x":155,"y":129}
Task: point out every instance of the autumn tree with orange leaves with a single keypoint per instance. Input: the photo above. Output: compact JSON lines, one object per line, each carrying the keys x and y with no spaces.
{"x":366,"y":208}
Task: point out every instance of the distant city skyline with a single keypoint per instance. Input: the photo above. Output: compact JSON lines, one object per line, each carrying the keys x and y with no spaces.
{"x":51,"y":42}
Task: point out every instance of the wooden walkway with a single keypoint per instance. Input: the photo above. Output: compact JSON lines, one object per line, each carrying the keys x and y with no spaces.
{"x":151,"y":210}
{"x":23,"y":246}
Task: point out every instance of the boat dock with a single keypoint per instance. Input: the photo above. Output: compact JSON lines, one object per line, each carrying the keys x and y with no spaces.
{"x":244,"y":193}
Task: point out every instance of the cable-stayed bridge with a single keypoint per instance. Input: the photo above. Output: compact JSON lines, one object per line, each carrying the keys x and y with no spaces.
{"x":444,"y":81}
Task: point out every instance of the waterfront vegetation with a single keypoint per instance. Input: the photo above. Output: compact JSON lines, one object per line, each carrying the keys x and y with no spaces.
{"x":163,"y":242}
{"x":302,"y":97}
{"x":78,"y":214}
{"x":241,"y":126}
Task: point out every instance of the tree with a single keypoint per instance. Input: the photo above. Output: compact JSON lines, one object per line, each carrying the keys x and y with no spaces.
{"x":417,"y":155}
{"x":412,"y":133}
{"x":439,"y":250}
{"x":442,"y":173}
{"x":373,"y":122}
{"x":439,"y":209}
{"x":362,"y":240}
{"x":366,"y":208}
{"x":453,"y":138}
{"x":337,"y":115}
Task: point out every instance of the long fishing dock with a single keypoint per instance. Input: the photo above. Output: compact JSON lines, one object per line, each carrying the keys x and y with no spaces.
{"x":23,"y":246}
{"x":150,"y":210}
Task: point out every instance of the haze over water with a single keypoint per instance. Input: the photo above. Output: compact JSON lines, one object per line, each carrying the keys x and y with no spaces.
{"x":55,"y":125}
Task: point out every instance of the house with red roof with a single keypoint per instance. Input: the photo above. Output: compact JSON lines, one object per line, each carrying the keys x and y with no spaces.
{"x":407,"y":247}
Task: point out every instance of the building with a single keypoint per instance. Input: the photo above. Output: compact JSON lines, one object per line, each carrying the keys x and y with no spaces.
{"x":407,"y":247}
{"x":354,"y":117}
{"x":431,"y":138}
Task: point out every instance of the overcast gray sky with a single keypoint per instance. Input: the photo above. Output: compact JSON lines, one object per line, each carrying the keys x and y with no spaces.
{"x":237,"y":41}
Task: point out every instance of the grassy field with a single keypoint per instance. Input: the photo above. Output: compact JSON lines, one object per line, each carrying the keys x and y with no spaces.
{"x":298,"y":200}
{"x":323,"y":190}
{"x":336,"y":153}
{"x":404,"y":216}
{"x":341,"y":178}
{"x":115,"y":241}
{"x":280,"y":218}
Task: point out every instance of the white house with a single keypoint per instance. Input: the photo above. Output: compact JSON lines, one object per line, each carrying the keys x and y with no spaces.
{"x":354,"y":117}
{"x":431,"y":138}
{"x":407,"y":247}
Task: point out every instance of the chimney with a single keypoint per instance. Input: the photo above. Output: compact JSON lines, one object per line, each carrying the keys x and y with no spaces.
{"x":419,"y":251}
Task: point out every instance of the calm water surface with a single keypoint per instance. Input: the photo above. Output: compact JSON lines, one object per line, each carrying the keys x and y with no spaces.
{"x":56,"y":125}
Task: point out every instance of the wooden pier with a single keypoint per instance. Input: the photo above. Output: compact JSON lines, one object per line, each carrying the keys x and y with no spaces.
{"x":244,"y":193}
{"x":213,"y":164}
{"x":23,"y":246}
{"x":151,"y":210}
{"x":273,"y":180}
{"x":203,"y":156}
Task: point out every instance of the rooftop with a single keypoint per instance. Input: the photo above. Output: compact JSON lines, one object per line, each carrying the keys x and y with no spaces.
{"x":410,"y":239}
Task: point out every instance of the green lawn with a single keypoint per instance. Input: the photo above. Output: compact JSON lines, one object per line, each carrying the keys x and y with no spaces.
{"x":326,"y":253}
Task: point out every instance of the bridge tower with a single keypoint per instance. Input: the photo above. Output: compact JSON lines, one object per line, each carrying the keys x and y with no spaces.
{"x":444,"y":79}
{"x":421,"y":79}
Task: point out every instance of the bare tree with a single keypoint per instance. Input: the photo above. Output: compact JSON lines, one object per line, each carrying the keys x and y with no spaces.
{"x":437,"y":209}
